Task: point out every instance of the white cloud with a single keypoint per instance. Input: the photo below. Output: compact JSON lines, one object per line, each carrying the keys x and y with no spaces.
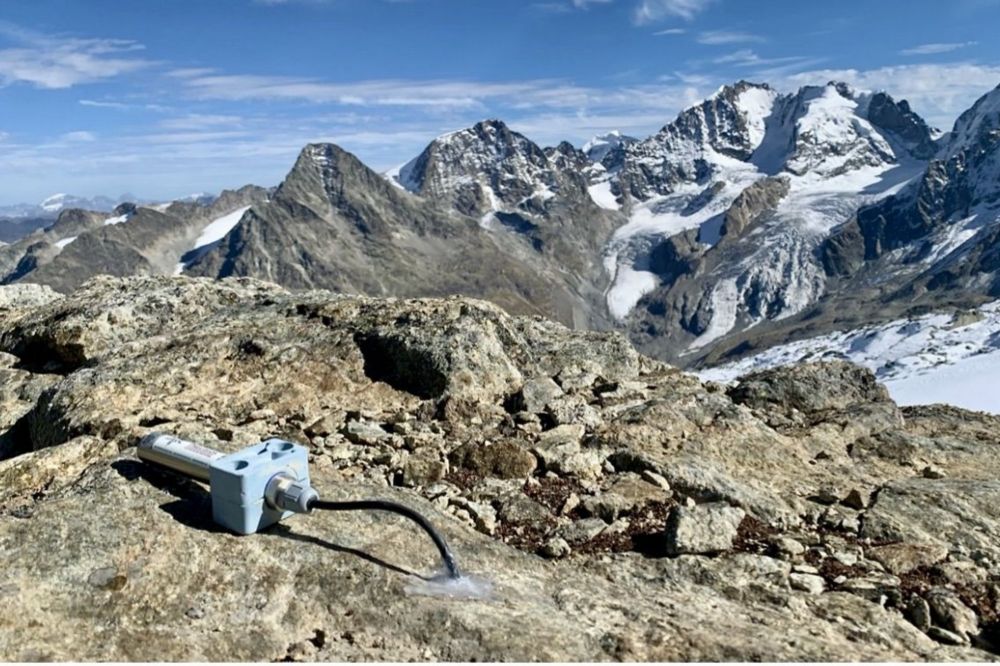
{"x":648,"y":11}
{"x":412,"y":93}
{"x":79,"y":137}
{"x":568,"y":5}
{"x":195,"y":121}
{"x":714,"y":37}
{"x":670,"y":31}
{"x":103,"y":105}
{"x":57,"y":62}
{"x":766,"y":68}
{"x":935,"y":48}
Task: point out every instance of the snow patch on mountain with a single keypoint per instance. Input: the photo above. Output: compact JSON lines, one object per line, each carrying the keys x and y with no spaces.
{"x":210,"y":236}
{"x":64,"y":242}
{"x":402,"y":176}
{"x":117,"y":219}
{"x":603,"y":196}
{"x":948,"y":358}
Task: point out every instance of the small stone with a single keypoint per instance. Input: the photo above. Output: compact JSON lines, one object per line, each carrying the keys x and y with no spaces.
{"x":826,"y":496}
{"x":574,"y":378}
{"x":423,"y":471}
{"x":505,"y":459}
{"x":556,"y":548}
{"x":519,"y":508}
{"x":524,"y":418}
{"x":901,"y":558}
{"x":361,"y":432}
{"x":536,"y":394}
{"x":946,"y":637}
{"x":656,"y":480}
{"x":342,"y":452}
{"x":704,"y":528}
{"x":932,"y":472}
{"x":832,"y":518}
{"x":846,"y":558}
{"x":807,"y":583}
{"x":851,"y":524}
{"x":261,"y":414}
{"x":805,"y":569}
{"x":874,"y":587}
{"x":482,"y":515}
{"x":582,"y":531}
{"x":606,"y":506}
{"x":951,"y":614}
{"x":572,"y":410}
{"x":788,"y":548}
{"x":324,"y":426}
{"x":195,"y":613}
{"x":840,"y":580}
{"x":572,"y":501}
{"x":918,"y":612}
{"x":856,"y":499}
{"x":440,"y":489}
{"x":962,"y":572}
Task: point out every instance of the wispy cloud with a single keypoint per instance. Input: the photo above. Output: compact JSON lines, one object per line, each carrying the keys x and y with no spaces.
{"x":197,"y":121}
{"x":714,"y":37}
{"x":648,"y":11}
{"x":62,"y":62}
{"x":935,"y":48}
{"x":749,"y":58}
{"x":98,"y":104}
{"x":79,"y":137}
{"x":390,"y":92}
{"x":568,"y":6}
{"x":670,"y":31}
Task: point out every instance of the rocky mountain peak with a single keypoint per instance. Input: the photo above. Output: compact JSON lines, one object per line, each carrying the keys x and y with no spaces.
{"x":728,"y":126}
{"x":337,"y":173}
{"x":978,"y":127}
{"x":830,"y":135}
{"x":484,"y":168}
{"x":901,"y":121}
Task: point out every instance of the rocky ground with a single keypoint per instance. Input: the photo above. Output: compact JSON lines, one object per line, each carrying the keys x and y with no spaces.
{"x":623,"y":510}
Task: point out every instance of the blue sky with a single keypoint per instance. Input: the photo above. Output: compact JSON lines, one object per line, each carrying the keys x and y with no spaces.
{"x":163,"y":98}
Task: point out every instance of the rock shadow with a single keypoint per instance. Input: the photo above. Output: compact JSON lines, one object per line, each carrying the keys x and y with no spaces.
{"x":193,"y":508}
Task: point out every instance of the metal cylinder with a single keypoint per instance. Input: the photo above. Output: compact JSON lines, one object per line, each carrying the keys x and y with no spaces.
{"x":178,"y":454}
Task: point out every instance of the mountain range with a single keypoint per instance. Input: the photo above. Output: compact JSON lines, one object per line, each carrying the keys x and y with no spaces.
{"x":752,"y":220}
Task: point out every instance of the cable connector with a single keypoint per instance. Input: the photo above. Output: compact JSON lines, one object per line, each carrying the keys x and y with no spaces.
{"x":286,"y":493}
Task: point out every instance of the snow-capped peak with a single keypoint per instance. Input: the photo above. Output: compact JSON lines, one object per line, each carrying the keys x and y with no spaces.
{"x":599,"y":146}
{"x":54,"y":202}
{"x":976,"y":124}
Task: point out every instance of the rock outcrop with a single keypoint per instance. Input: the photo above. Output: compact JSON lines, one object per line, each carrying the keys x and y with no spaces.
{"x":620,"y":508}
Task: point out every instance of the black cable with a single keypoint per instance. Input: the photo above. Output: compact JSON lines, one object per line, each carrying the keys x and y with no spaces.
{"x":403,"y":510}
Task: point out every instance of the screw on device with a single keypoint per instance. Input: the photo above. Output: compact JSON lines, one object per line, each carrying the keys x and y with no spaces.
{"x":265,"y":483}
